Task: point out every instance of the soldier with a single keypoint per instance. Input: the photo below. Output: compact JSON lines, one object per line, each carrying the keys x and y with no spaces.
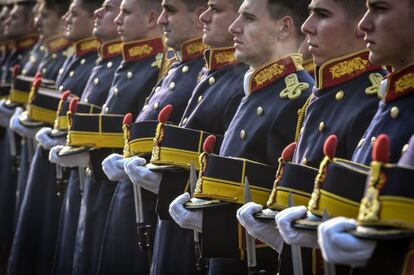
{"x":349,"y":91}
{"x":18,"y":27}
{"x":96,"y":90}
{"x":211,"y":108}
{"x":256,"y":130}
{"x":394,"y":117}
{"x":132,"y":83}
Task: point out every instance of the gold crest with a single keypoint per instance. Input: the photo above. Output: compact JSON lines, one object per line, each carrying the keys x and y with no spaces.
{"x":269,"y":73}
{"x":225,"y":57}
{"x":140,"y":50}
{"x":375,"y":79}
{"x":404,"y":83}
{"x":348,"y":67}
{"x":294,"y":88}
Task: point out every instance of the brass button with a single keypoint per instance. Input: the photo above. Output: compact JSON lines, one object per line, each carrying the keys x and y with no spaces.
{"x":305,"y":161}
{"x":211,"y":81}
{"x":200,"y":98}
{"x":145,"y":108}
{"x":96,"y":81}
{"x":54,"y":56}
{"x":185,"y":69}
{"x":116,"y":91}
{"x":259,"y":111}
{"x":24,"y":71}
{"x":339,"y":95}
{"x":172,"y":86}
{"x":243,"y":134}
{"x":86,"y":100}
{"x":83,"y":61}
{"x":44,"y":70}
{"x":322,"y":127}
{"x":373,"y":140}
{"x":361,"y":142}
{"x":61,"y":71}
{"x":60,"y":88}
{"x":109,"y":65}
{"x":185,"y":120}
{"x":72,"y":73}
{"x":156,"y":105}
{"x":42,"y":48}
{"x":395,"y":112}
{"x":129,"y":75}
{"x":106,"y":109}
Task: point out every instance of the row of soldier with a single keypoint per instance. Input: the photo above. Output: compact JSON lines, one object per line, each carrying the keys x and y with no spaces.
{"x":283,"y":121}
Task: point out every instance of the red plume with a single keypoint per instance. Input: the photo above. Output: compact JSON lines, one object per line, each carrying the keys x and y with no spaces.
{"x":209,"y":143}
{"x":127,"y":119}
{"x":37,"y":82}
{"x":165,"y":114}
{"x":65,"y":96}
{"x":288,"y":152}
{"x":73,"y":105}
{"x":329,"y":148}
{"x":38,"y":75}
{"x":381,"y":149}
{"x":16,"y":70}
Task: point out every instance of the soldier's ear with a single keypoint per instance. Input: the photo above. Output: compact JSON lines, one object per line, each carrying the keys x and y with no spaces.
{"x":285,"y":27}
{"x":152,"y":19}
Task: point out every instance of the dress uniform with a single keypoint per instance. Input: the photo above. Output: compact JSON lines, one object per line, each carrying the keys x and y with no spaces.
{"x":35,"y":238}
{"x":31,"y":66}
{"x":132,"y":83}
{"x":76,"y":70}
{"x":8,"y":170}
{"x":343,"y":103}
{"x":175,"y":88}
{"x":393,"y":117}
{"x":262,"y":126}
{"x":56,"y":54}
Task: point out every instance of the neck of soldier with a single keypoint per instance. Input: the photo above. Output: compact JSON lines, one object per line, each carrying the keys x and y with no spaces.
{"x":403,"y":62}
{"x":278,"y":51}
{"x":151,"y":33}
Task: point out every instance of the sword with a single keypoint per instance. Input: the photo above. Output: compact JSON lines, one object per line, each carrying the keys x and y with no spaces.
{"x":250,"y":241}
{"x":30,"y":149}
{"x":13,"y":151}
{"x":144,"y":231}
{"x":329,"y":267}
{"x":82,"y":175}
{"x":296,"y":253}
{"x":201,"y":263}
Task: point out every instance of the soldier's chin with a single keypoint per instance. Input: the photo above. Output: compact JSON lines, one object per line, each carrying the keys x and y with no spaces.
{"x":241,"y":56}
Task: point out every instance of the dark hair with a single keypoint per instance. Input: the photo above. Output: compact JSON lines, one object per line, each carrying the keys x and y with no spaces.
{"x":60,"y":6}
{"x":354,"y":8}
{"x":297,"y":9}
{"x":193,"y":4}
{"x":28,"y":11}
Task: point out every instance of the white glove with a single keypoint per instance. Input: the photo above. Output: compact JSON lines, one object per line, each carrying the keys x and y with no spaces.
{"x":141,"y":175}
{"x":340,"y":247}
{"x":5,"y":114}
{"x":76,"y":160}
{"x":46,"y":141}
{"x":264,"y":231}
{"x":186,"y":219}
{"x":291,"y":235}
{"x":113,"y":166}
{"x":19,"y":128}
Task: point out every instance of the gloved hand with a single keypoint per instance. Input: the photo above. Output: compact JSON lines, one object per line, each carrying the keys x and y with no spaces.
{"x":46,"y":141}
{"x":261,"y":230}
{"x":292,"y":235}
{"x":113,"y":166}
{"x":186,"y":219}
{"x":141,"y":175}
{"x":5,"y":114}
{"x":19,"y":128}
{"x":340,"y":247}
{"x":76,"y":160}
